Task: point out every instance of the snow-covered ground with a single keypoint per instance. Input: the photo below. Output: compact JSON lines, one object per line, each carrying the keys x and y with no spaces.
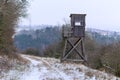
{"x":40,"y":68}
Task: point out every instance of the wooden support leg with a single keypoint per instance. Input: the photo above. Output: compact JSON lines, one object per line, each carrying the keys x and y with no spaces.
{"x":80,"y":55}
{"x":74,"y":48}
{"x":65,"y":57}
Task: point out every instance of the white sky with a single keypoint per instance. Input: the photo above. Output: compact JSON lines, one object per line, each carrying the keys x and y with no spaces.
{"x":101,"y":14}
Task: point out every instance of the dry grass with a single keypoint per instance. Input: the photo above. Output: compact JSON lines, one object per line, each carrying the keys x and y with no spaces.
{"x":4,"y":64}
{"x":9,"y":61}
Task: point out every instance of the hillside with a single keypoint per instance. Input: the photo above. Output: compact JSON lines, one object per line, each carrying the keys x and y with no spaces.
{"x":40,"y":68}
{"x":41,"y":38}
{"x":103,"y":37}
{"x":38,"y":39}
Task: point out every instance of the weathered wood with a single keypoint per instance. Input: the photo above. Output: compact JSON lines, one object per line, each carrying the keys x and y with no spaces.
{"x":64,"y":50}
{"x":67,"y":31}
{"x":74,"y":60}
{"x":78,"y":25}
{"x":74,"y":48}
{"x":80,"y":54}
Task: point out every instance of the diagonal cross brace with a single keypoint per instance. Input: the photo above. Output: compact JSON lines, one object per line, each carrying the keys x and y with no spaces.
{"x":73,"y":47}
{"x":81,"y":55}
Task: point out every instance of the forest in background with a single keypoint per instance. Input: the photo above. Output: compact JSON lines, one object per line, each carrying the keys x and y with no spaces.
{"x":41,"y":38}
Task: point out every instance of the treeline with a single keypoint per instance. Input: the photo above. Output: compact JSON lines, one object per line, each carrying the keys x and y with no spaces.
{"x":41,"y":38}
{"x":38,"y":39}
{"x":105,"y":39}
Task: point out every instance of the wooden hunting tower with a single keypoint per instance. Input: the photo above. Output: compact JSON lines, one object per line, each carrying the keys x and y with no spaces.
{"x":74,"y":37}
{"x":78,"y":24}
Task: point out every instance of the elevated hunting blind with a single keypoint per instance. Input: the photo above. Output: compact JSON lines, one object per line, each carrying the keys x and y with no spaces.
{"x":74,"y":36}
{"x":78,"y":24}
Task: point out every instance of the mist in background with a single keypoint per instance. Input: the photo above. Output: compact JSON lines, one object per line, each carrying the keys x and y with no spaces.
{"x":101,"y":14}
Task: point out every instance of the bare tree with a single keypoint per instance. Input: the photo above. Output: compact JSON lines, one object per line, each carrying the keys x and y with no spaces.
{"x":10,"y":12}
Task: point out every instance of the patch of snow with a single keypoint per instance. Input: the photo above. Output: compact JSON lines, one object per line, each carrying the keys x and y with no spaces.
{"x":31,"y":75}
{"x":51,"y":69}
{"x":33,"y":62}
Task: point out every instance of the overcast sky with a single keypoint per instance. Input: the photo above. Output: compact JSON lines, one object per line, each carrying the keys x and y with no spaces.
{"x":101,"y":14}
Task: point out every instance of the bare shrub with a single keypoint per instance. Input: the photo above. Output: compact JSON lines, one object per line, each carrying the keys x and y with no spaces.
{"x":10,"y":12}
{"x":54,"y":50}
{"x":32,"y":51}
{"x":92,"y":51}
{"x":111,"y":58}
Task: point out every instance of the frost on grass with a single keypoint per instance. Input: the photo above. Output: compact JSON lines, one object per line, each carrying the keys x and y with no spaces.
{"x":51,"y":69}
